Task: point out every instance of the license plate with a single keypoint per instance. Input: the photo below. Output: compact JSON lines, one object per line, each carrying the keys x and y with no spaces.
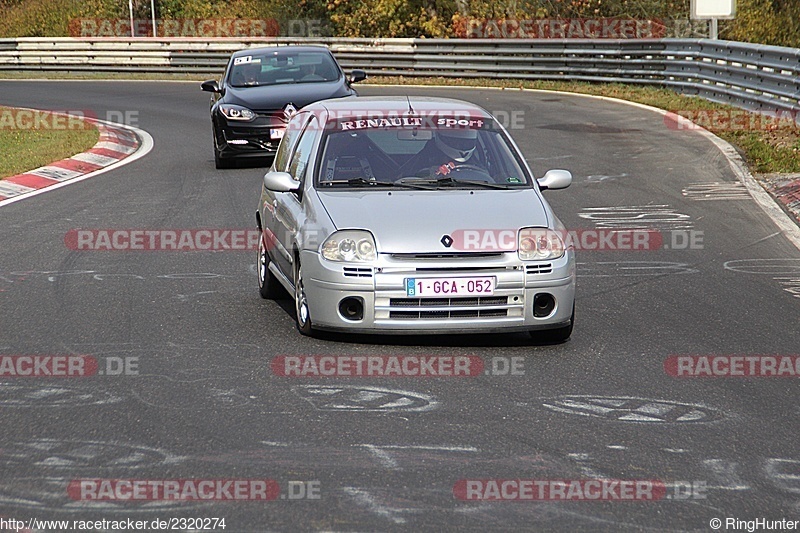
{"x":450,"y":287}
{"x":276,"y":134}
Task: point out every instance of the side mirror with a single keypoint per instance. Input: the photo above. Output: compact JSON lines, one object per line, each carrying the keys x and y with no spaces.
{"x":357,"y":75}
{"x":280,"y":182}
{"x":210,"y":86}
{"x":555,"y":179}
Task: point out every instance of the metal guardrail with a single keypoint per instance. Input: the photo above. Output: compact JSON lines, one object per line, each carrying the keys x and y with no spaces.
{"x":754,"y":77}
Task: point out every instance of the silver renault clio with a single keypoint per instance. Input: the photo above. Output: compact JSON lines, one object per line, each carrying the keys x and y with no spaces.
{"x":410,"y":215}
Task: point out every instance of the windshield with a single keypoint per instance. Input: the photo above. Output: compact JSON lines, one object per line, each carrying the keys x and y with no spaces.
{"x":408,"y":151}
{"x":283,"y":67}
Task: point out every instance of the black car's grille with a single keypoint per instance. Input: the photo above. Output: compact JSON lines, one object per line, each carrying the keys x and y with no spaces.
{"x":275,"y":115}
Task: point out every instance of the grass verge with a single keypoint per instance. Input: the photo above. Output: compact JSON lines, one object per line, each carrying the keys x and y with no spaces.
{"x":33,"y":147}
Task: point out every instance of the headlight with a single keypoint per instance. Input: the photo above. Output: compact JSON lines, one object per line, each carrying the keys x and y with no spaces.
{"x":539,"y":244}
{"x":352,"y":246}
{"x":237,"y":112}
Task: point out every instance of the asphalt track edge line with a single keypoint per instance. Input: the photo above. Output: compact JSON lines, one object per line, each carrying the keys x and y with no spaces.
{"x":143,"y":150}
{"x":768,"y":204}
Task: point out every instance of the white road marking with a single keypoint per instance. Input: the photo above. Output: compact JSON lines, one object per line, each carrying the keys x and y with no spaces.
{"x":366,"y":499}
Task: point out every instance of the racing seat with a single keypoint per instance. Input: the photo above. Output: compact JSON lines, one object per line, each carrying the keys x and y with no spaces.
{"x":346,"y":159}
{"x":345,"y":167}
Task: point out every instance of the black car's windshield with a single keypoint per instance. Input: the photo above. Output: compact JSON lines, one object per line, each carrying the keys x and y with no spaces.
{"x":283,"y":67}
{"x":422,"y":153}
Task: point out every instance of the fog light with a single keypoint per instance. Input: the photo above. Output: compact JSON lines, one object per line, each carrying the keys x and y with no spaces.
{"x":352,"y":308}
{"x":543,"y":305}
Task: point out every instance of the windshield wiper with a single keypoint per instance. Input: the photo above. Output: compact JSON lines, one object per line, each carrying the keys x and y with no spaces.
{"x":451,"y":181}
{"x":363,"y":182}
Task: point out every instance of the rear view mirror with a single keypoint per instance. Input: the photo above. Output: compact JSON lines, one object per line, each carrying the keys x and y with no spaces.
{"x":414,"y":135}
{"x":210,"y":86}
{"x":280,"y":182}
{"x":555,"y":179}
{"x":357,"y":75}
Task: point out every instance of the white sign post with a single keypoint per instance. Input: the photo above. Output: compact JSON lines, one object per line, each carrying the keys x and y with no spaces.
{"x":713,"y":10}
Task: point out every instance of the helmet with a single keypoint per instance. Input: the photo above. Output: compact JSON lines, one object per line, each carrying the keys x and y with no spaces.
{"x":458,"y":144}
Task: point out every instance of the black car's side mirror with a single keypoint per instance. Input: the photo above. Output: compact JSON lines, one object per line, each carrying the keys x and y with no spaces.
{"x":210,"y":86}
{"x":357,"y":75}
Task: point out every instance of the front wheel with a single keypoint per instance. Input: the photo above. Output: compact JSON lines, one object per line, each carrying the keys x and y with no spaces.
{"x":268,"y":286}
{"x":303,"y":321}
{"x":219,"y":162}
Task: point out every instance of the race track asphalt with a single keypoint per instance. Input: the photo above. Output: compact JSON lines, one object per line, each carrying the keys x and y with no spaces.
{"x":387,"y":453}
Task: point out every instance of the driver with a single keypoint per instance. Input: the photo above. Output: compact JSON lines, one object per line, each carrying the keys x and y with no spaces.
{"x":448,"y":149}
{"x":308,"y":72}
{"x":249,"y":74}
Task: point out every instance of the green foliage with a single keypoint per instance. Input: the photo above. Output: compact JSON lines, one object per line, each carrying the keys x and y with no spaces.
{"x":391,"y":18}
{"x":774,"y":22}
{"x":763,"y":21}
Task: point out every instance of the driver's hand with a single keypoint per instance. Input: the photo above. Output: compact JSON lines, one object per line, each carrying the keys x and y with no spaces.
{"x":445,"y":169}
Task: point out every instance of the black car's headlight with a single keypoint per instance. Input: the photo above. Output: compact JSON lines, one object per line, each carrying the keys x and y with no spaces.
{"x":237,"y":112}
{"x":540,"y":244}
{"x":352,"y":246}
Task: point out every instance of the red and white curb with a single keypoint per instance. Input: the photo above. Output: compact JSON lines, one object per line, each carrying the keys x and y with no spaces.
{"x":786,"y":188}
{"x":118,"y":145}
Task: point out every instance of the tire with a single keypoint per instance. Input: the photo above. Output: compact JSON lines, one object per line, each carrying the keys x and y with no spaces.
{"x":268,"y":286}
{"x":302,"y":314}
{"x":219,"y":162}
{"x":556,"y":335}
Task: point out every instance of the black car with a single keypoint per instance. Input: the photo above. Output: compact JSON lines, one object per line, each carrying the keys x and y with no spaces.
{"x":262,"y":88}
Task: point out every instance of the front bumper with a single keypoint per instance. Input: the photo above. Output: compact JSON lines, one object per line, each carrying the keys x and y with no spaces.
{"x":247,"y":142}
{"x":249,"y":139}
{"x":388,"y":309}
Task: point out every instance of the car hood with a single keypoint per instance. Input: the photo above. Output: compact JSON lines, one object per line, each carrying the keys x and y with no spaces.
{"x":277,"y":96}
{"x":417,"y":221}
